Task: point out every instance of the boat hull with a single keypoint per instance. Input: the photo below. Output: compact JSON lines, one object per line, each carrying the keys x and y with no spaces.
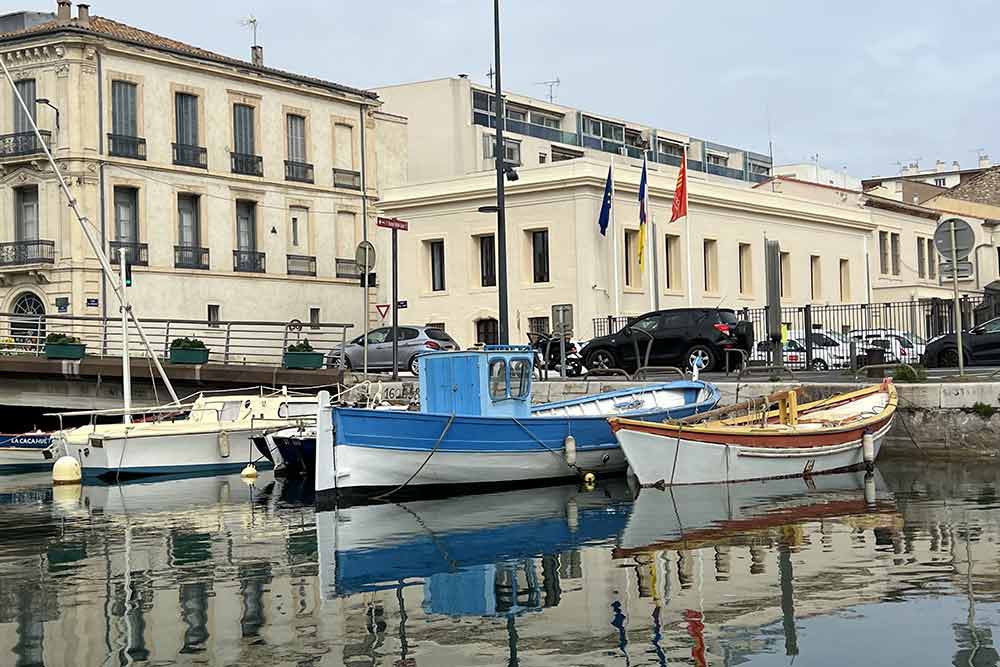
{"x":658,"y":459}
{"x":25,"y":459}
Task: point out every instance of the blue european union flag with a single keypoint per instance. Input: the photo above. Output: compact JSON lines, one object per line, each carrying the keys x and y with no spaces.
{"x":605,"y":218}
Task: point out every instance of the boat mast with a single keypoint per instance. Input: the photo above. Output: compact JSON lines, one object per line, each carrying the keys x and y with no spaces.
{"x":126,"y":361}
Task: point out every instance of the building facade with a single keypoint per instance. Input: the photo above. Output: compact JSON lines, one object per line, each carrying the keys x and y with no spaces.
{"x":235,"y":189}
{"x":915,"y":185}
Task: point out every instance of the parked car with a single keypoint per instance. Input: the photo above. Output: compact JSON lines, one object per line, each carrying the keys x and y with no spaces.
{"x":680,"y":336}
{"x":981,"y":345}
{"x":794,"y":355}
{"x":902,"y":345}
{"x":412,"y":341}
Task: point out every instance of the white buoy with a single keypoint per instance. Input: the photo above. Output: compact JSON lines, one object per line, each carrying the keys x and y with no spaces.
{"x":572,"y":514}
{"x":66,"y":470}
{"x":250,"y":472}
{"x":868,"y":448}
{"x":870,"y":491}
{"x":569,"y":446}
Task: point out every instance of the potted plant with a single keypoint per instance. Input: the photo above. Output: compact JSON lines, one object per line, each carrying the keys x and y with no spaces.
{"x":188,"y":351}
{"x":62,"y":346}
{"x":302,"y":355}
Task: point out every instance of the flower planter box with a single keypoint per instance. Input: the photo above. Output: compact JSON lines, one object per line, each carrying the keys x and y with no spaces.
{"x":303,"y":360}
{"x":65,"y":350}
{"x":188,"y":355}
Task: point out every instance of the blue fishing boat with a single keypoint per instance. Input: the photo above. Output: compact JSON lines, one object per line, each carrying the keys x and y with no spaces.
{"x":25,"y":452}
{"x":476,"y":429}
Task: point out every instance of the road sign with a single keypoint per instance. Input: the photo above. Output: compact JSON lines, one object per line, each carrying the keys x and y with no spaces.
{"x":364,"y":256}
{"x":383,"y":309}
{"x":92,"y":303}
{"x":402,"y":304}
{"x":562,"y":319}
{"x":394,"y":224}
{"x":965,"y":239}
{"x":965,"y":270}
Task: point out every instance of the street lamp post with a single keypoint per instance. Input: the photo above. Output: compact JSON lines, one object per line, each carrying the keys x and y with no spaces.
{"x":499,"y":158}
{"x":46,"y":102}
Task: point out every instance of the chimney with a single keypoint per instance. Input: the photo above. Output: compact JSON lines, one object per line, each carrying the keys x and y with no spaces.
{"x":257,"y":55}
{"x":83,"y":13}
{"x":63,"y":9}
{"x":955,"y":165}
{"x":984,"y":161}
{"x":939,"y":165}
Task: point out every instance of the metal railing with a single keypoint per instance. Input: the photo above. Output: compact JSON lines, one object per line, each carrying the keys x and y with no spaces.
{"x":604,"y":326}
{"x":190,"y":156}
{"x":228,"y":342}
{"x":545,"y":132}
{"x":247,"y":164}
{"x":301,"y":265}
{"x":759,"y":178}
{"x":136,"y":254}
{"x":669,"y":158}
{"x":120,"y":145}
{"x":347,"y":268}
{"x":301,"y":172}
{"x":22,"y":143}
{"x":190,"y":257}
{"x":346,"y":178}
{"x":20,"y":253}
{"x":728,"y":172}
{"x":249,"y":261}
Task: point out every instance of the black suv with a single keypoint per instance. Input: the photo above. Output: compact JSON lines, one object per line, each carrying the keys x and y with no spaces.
{"x":680,"y":336}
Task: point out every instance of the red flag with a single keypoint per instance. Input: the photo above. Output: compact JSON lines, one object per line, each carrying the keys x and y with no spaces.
{"x":680,"y":208}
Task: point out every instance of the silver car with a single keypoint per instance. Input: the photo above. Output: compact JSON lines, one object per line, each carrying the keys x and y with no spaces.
{"x":412,"y":341}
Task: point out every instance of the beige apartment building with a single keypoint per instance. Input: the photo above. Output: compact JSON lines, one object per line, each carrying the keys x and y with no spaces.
{"x":838,"y":246}
{"x":236,"y":188}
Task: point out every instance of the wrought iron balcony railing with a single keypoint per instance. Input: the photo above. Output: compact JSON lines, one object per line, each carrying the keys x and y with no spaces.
{"x":120,"y":145}
{"x":345,"y":178}
{"x":248,"y":164}
{"x":22,"y":143}
{"x":136,"y":254}
{"x":248,"y":261}
{"x":190,"y":156}
{"x":20,"y":253}
{"x":301,"y":265}
{"x":298,"y":171}
{"x":190,"y":257}
{"x":347,"y":268}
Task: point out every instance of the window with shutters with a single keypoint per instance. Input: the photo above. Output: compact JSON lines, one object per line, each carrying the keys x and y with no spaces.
{"x":815,"y":278}
{"x":894,"y":243}
{"x":22,"y":121}
{"x":436,"y":251}
{"x":26,"y":213}
{"x":540,"y":255}
{"x":187,"y":119}
{"x":487,"y":260}
{"x":845,"y":280}
{"x":189,"y":224}
{"x":126,"y":214}
{"x":124,"y":120}
{"x":296,"y":138}
{"x":246,"y":225}
{"x":243,"y":139}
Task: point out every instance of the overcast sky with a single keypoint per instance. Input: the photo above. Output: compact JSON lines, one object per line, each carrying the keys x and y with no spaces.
{"x":861,"y":84}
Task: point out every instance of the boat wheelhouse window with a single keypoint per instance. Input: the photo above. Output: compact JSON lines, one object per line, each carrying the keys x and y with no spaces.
{"x":286,"y":410}
{"x":520,"y":378}
{"x":498,"y":379}
{"x":228,"y":411}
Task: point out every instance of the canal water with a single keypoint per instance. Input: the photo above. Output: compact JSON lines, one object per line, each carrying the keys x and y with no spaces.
{"x":899,"y":567}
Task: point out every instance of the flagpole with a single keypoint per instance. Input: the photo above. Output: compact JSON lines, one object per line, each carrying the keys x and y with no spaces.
{"x":687,"y":235}
{"x":614,"y":241}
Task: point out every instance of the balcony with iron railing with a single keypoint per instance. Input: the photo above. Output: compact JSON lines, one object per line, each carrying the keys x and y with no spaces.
{"x":20,"y":144}
{"x":23,"y":253}
{"x":190,"y":257}
{"x":301,"y":172}
{"x":529,"y":129}
{"x":136,"y":254}
{"x":248,"y":261}
{"x":247,"y":164}
{"x":190,"y":156}
{"x":347,"y":268}
{"x":120,"y":145}
{"x":301,"y":265}
{"x":346,"y":178}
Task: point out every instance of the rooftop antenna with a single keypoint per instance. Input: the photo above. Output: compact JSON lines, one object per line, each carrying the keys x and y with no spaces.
{"x":489,"y":74}
{"x":251,"y":22}
{"x":552,"y":84}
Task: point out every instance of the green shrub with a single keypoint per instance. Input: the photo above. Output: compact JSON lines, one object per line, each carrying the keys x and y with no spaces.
{"x":983,"y":410}
{"x":61,"y":339}
{"x":301,"y":346}
{"x":909,"y":374}
{"x":187,"y":344}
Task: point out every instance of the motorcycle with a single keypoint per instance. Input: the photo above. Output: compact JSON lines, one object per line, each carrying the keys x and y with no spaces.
{"x":546,"y":347}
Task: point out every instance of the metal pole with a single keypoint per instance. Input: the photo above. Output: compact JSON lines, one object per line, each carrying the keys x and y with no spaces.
{"x":364,"y":237}
{"x":562,"y":351}
{"x":499,"y":156}
{"x":687,"y":230}
{"x":956,"y":314}
{"x":126,"y":361}
{"x":395,"y":304}
{"x":85,"y":224}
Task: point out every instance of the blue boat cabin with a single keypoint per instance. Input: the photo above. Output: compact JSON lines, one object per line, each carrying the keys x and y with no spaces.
{"x":493,"y":382}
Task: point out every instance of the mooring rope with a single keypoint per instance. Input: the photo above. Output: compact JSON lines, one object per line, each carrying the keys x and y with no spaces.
{"x":546,"y":447}
{"x":447,"y":426}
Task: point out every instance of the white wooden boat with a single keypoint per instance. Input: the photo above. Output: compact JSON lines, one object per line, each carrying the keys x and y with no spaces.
{"x":838,"y":433}
{"x":213,"y":435}
{"x":25,"y":452}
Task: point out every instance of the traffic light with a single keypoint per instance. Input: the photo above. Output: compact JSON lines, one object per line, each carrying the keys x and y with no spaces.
{"x":128,"y":274}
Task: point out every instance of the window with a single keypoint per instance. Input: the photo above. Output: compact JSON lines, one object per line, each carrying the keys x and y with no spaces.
{"x":314,"y":318}
{"x":545,"y":120}
{"x":562,"y":154}
{"x":543,"y":158}
{"x":647,"y":324}
{"x":296,"y":130}
{"x":435,"y":330}
{"x":498,"y":379}
{"x":894,"y":238}
{"x":214,"y":315}
{"x":519,"y":115}
{"x":246,"y":225}
{"x":939,"y":181}
{"x":605,"y":129}
{"x":631,"y":258}
{"x":487,"y":331}
{"x":22,"y":122}
{"x":883,"y":252}
{"x":437,"y":265}
{"x":815,"y":278}
{"x":243,"y":139}
{"x":672,"y":262}
{"x":538,"y":325}
{"x":126,"y":214}
{"x":718,"y":160}
{"x":845,"y":280}
{"x":186,"y":110}
{"x":520,"y":377}
{"x":189,"y":225}
{"x":746,"y":268}
{"x":669,"y":148}
{"x":760,"y":169}
{"x":540,"y":255}
{"x":710,"y":265}
{"x":487,"y":260}
{"x":921,"y":258}
{"x":26,"y":213}
{"x":512,"y":149}
{"x":483,"y":102}
{"x":785,"y":274}
{"x":124,"y":115}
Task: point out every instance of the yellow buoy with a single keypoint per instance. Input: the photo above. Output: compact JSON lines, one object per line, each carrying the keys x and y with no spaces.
{"x":66,"y":470}
{"x":589,"y":479}
{"x":250,"y":472}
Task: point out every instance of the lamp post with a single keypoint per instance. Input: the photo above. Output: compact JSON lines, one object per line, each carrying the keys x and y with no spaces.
{"x":46,"y":102}
{"x":499,"y":158}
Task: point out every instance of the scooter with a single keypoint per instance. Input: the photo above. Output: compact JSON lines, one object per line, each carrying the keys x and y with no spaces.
{"x":546,"y":347}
